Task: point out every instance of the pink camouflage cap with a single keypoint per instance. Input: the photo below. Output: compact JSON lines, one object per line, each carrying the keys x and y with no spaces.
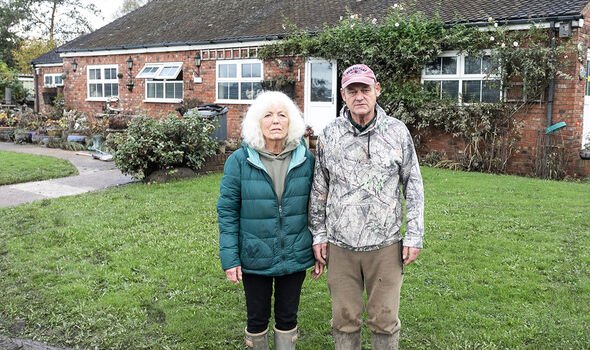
{"x":358,"y":73}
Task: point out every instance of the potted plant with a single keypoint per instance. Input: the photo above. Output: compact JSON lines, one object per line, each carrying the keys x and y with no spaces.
{"x":7,"y":126}
{"x":310,"y":138}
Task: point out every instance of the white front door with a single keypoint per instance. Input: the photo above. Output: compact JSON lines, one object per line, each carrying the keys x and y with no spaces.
{"x":586,"y":120}
{"x":320,"y":93}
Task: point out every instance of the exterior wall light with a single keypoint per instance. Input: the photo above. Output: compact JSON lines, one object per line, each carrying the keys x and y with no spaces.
{"x":129,"y":63}
{"x":74,"y":65}
{"x":197,"y":73}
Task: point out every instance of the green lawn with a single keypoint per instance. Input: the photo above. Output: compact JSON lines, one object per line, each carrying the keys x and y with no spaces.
{"x":19,"y":167}
{"x":506,"y":265}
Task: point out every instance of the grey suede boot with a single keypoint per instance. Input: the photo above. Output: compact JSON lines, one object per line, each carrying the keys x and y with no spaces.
{"x":258,"y":341}
{"x":285,"y":340}
{"x":380,"y":341}
{"x":346,"y":341}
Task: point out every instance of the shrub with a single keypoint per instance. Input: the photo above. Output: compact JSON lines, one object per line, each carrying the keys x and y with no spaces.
{"x":150,"y":145}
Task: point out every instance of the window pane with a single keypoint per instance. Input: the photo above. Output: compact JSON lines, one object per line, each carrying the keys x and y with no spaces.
{"x":471,"y":91}
{"x":178,"y":88}
{"x":450,"y":89}
{"x":248,"y":91}
{"x":112,"y":88}
{"x":169,"y":72}
{"x":228,"y":91}
{"x":256,"y":70}
{"x":472,"y":65}
{"x":169,"y":90}
{"x":433,"y":68}
{"x":490,"y":91}
{"x":234,"y":91}
{"x":449,"y":65}
{"x":151,"y":90}
{"x":432,"y":86}
{"x":321,"y":82}
{"x":110,"y":73}
{"x":159,"y":90}
{"x":48,"y":80}
{"x":222,"y":90}
{"x":58,"y":80}
{"x":94,"y":74}
{"x":95,"y":90}
{"x":228,"y":71}
{"x":246,"y":70}
{"x":486,"y":65}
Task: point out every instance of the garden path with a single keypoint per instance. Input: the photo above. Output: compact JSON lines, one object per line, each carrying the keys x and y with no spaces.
{"x":93,"y":175}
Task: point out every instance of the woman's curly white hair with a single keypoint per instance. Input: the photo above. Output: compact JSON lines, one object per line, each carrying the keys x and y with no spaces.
{"x":251,"y":131}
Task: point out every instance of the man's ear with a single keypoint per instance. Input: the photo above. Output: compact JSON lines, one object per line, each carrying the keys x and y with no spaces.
{"x":377,"y":89}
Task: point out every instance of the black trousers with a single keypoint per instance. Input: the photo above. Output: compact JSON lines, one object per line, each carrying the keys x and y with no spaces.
{"x":259,"y":290}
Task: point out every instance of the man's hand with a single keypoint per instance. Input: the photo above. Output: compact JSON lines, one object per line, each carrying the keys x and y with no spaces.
{"x":234,"y":275}
{"x":317,"y":271}
{"x":320,"y":251}
{"x":410,"y":254}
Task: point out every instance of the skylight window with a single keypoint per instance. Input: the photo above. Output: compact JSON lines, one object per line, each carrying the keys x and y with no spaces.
{"x":168,"y":70}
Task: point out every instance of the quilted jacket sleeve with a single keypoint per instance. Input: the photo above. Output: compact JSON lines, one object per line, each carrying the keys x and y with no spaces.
{"x":228,"y":213}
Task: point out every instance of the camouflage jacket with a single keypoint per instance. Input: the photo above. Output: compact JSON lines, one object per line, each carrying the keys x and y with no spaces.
{"x":356,"y":199}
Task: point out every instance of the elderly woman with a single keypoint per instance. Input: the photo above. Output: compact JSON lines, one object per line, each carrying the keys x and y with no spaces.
{"x":262,"y":211}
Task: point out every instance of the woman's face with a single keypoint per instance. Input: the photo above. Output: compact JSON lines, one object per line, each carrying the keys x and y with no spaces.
{"x":275,"y":124}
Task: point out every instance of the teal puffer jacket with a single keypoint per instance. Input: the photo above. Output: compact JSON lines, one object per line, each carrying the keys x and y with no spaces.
{"x":255,"y":231}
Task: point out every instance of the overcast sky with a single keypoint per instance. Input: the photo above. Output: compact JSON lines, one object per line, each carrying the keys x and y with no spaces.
{"x":108,"y":8}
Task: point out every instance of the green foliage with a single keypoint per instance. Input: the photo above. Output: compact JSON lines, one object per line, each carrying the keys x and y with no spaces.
{"x":152,"y":144}
{"x":27,"y":51}
{"x":399,"y":46}
{"x":9,"y":79}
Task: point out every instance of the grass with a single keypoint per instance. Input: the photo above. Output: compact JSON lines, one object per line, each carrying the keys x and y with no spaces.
{"x":505,"y":266}
{"x":18,"y":167}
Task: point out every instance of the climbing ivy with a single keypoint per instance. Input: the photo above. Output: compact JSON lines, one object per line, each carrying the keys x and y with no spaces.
{"x":398,"y":47}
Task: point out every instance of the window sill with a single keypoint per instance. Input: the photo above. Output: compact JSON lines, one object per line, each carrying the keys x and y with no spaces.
{"x":99,"y":99}
{"x":163,"y":100}
{"x":235,"y":102}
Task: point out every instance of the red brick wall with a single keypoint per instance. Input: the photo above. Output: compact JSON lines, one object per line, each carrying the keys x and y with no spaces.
{"x":75,"y":90}
{"x":568,"y":100}
{"x":568,"y":106}
{"x":41,"y":106}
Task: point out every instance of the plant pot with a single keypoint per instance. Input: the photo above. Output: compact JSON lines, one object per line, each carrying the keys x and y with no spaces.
{"x":585,"y":153}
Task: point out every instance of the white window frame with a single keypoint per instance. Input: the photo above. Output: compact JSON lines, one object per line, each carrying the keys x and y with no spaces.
{"x":163,"y":70}
{"x":102,"y":81}
{"x":164,"y":74}
{"x":53,"y":77}
{"x":239,"y":79}
{"x":461,"y":76}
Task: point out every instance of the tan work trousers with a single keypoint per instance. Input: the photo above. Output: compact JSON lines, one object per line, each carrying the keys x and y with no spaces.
{"x":379,"y":272}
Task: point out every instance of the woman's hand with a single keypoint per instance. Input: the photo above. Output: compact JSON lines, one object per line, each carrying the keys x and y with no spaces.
{"x":234,"y":275}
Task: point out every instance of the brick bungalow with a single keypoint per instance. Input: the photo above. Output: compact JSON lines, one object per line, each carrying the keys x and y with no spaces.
{"x":170,"y":51}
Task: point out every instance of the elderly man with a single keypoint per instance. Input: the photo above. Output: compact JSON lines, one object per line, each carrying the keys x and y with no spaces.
{"x":365,"y":163}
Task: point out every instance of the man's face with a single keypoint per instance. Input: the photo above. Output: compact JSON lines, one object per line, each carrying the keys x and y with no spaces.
{"x":361,"y":100}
